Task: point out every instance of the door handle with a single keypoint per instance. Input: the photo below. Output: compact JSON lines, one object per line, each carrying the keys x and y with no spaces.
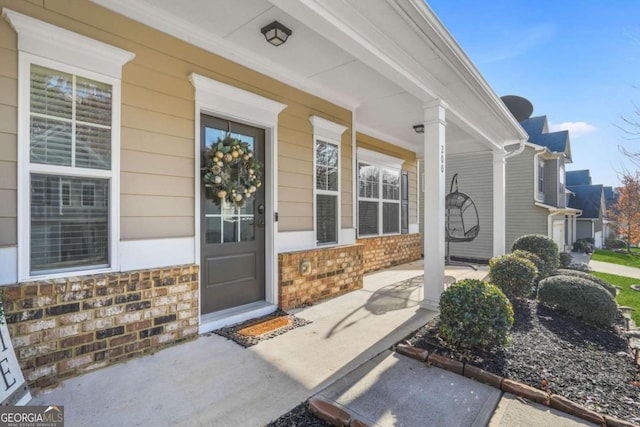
{"x":260,"y":223}
{"x":261,"y":209}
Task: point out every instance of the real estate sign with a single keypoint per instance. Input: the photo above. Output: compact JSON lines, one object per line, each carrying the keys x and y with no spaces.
{"x":13,"y":388}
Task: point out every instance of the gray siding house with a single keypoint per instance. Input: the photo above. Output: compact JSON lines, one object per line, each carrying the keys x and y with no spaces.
{"x":590,"y":199}
{"x":536,"y":196}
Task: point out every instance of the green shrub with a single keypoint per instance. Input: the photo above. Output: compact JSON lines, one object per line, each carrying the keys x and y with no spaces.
{"x":475,"y":314}
{"x":542,"y":246}
{"x":615,"y":244}
{"x":590,"y":240}
{"x":565,"y":259}
{"x":535,"y":259}
{"x":583,"y":245}
{"x":578,"y":297}
{"x":513,"y":274}
{"x":575,"y":273}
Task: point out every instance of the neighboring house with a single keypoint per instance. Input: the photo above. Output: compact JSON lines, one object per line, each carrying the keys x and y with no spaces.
{"x":590,"y":199}
{"x":112,"y":246}
{"x":536,"y":186}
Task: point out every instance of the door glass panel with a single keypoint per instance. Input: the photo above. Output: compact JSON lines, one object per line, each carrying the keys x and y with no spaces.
{"x":228,"y":224}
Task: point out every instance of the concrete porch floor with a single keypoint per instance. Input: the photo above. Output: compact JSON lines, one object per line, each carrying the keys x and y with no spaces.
{"x":213,"y":381}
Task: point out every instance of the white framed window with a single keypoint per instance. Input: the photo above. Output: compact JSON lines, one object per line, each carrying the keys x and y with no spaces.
{"x":561,"y":180}
{"x":379,"y":194}
{"x":326,"y":194}
{"x":68,"y":149}
{"x":540,"y":179}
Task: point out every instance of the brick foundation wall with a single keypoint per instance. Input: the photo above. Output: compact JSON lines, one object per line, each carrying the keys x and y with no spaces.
{"x":64,"y":327}
{"x":387,"y":251}
{"x":333,"y":272}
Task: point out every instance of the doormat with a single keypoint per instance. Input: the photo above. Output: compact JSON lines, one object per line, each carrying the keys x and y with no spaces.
{"x":253,"y":331}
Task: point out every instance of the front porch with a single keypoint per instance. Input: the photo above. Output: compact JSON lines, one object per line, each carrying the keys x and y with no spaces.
{"x":214,"y":381}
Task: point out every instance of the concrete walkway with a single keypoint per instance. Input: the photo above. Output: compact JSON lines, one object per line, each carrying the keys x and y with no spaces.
{"x":619,"y":270}
{"x":343,"y":354}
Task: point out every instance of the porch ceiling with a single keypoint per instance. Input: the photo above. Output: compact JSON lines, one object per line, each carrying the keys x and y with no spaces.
{"x":351,"y":52}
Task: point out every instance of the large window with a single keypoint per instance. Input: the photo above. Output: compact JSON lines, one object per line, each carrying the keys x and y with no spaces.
{"x":326,"y":188}
{"x":540,"y":182}
{"x":379,"y":194}
{"x":327,"y":192}
{"x":69,"y":142}
{"x":68,"y":149}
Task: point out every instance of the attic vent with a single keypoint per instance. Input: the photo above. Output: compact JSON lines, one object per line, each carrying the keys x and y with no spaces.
{"x":521,"y":108}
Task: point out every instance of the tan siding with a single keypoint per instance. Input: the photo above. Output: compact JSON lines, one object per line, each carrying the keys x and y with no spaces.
{"x":159,"y":227}
{"x":8,"y":59}
{"x":8,"y":175}
{"x":151,"y":100}
{"x":150,"y":206}
{"x":143,"y":184}
{"x":290,"y":193}
{"x":152,"y":142}
{"x":8,"y":37}
{"x":153,"y":79}
{"x":9,"y":91}
{"x":8,"y":234}
{"x":158,"y":164}
{"x":8,"y":207}
{"x":8,"y":119}
{"x":8,"y":147}
{"x":152,"y":121}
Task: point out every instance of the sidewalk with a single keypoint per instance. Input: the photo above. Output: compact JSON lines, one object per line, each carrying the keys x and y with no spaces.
{"x":343,"y":354}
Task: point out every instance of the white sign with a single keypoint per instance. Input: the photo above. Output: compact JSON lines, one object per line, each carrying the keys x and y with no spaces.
{"x":14,"y":391}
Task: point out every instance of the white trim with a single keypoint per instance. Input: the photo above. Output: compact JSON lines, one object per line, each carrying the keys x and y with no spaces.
{"x":229,"y":102}
{"x":347,"y":236}
{"x":292,"y":241}
{"x":379,"y":159}
{"x":8,"y":265}
{"x":369,"y":131}
{"x":220,"y":319}
{"x":49,"y":41}
{"x":414,"y":228}
{"x":154,"y":253}
{"x":327,"y":132}
{"x":78,"y":63}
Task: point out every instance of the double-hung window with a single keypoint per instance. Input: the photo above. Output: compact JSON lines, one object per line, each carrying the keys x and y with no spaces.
{"x":326,"y":142}
{"x":540,"y":183}
{"x":379,"y":194}
{"x":68,"y":158}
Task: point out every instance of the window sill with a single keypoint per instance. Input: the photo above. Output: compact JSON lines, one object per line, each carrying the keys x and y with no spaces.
{"x":66,"y":274}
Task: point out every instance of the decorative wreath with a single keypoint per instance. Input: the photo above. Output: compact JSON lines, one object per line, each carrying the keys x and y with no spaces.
{"x":231,"y":172}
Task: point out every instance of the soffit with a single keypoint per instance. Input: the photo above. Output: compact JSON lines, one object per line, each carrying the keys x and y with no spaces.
{"x":329,"y":56}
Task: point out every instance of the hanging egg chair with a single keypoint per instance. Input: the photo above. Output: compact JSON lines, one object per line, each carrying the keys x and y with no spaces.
{"x":462,"y":223}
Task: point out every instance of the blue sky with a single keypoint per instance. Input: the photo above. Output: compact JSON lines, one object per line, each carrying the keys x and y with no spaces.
{"x":578,"y":62}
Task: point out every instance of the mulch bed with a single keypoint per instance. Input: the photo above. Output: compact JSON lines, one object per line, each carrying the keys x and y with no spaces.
{"x":549,"y":351}
{"x":300,"y":416}
{"x":251,"y":332}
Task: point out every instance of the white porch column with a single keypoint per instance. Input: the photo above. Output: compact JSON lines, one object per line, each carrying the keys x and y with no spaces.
{"x":499,"y":209}
{"x":434,"y":195}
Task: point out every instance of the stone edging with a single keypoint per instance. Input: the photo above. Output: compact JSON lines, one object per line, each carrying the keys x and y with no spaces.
{"x":519,"y":389}
{"x":333,"y":414}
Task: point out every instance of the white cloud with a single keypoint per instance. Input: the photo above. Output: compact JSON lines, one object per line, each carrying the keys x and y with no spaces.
{"x":576,"y":129}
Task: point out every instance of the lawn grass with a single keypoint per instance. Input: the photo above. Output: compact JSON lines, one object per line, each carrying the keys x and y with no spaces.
{"x":618,"y":257}
{"x":627,"y":296}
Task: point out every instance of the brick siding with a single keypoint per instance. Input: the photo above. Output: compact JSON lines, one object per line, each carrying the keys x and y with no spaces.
{"x":334,"y":271}
{"x":64,"y":327}
{"x":387,"y":251}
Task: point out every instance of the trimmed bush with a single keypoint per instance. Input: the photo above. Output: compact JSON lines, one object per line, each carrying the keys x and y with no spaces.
{"x":615,"y":244}
{"x":544,"y":247}
{"x":475,"y":314}
{"x":583,"y":245}
{"x":514,"y":275}
{"x":565,"y":259}
{"x":578,"y":297}
{"x":535,"y":259}
{"x":575,"y":273}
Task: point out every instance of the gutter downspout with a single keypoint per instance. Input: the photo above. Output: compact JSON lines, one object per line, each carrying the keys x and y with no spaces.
{"x":517,"y":151}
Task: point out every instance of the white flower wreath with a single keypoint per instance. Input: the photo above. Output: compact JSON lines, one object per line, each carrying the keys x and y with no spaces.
{"x":231,"y":172}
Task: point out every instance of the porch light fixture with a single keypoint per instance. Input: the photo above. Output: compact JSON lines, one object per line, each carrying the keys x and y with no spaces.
{"x":418,"y":128}
{"x":276,"y":33}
